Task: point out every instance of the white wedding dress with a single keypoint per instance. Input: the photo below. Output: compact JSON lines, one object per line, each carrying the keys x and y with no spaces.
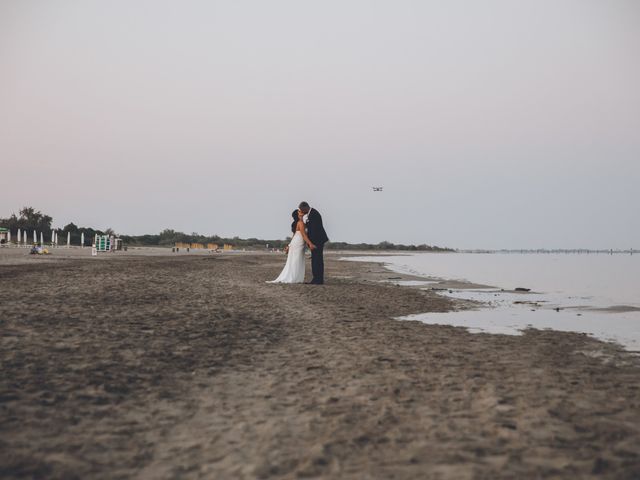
{"x":293,"y":271}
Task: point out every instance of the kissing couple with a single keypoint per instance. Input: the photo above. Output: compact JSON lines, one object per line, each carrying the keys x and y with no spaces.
{"x":307,"y":230}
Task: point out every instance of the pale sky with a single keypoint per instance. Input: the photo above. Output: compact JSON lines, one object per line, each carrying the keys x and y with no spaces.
{"x":493,"y":124}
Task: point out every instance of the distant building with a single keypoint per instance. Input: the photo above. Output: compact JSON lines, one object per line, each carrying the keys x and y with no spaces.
{"x":4,"y":235}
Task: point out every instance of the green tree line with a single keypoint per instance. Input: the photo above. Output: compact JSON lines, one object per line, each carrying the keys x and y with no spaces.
{"x":30,"y":219}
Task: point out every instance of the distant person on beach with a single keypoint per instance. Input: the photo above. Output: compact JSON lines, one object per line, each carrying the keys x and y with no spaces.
{"x":307,"y":230}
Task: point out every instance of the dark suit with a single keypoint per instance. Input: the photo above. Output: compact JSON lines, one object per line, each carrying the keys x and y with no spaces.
{"x":317,"y":235}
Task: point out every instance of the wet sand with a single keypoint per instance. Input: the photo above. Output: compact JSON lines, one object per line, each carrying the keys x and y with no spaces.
{"x":191,"y":366}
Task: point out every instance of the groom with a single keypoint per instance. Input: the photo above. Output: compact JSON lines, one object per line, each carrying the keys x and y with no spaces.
{"x":317,"y":235}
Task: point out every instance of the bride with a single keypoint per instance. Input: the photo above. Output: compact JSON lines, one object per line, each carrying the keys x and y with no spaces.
{"x":293,"y":271}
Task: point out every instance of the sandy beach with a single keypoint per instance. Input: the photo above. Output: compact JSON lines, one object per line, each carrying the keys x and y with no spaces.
{"x":149,"y":365}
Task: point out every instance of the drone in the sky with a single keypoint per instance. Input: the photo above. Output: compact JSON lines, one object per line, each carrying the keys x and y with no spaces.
{"x":377,"y":189}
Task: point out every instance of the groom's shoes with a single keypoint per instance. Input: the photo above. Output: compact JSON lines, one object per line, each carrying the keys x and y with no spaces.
{"x":314,"y":283}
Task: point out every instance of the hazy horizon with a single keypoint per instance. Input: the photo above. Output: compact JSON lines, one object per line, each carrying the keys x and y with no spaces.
{"x":493,"y":125}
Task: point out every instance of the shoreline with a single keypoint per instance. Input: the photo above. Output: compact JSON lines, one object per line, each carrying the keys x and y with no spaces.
{"x":497,"y":305}
{"x":160,"y":367}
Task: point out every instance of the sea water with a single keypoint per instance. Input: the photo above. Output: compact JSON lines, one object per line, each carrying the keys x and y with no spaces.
{"x":597,"y":294}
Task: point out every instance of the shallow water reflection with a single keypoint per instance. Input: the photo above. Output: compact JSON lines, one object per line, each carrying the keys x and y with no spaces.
{"x":594,"y":294}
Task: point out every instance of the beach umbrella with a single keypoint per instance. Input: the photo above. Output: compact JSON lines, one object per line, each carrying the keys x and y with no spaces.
{"x":19,"y":237}
{"x":82,"y":240}
{"x":9,"y":237}
{"x":53,"y":237}
{"x":68,"y":239}
{"x":41,"y":239}
{"x":35,"y":237}
{"x":24,"y":236}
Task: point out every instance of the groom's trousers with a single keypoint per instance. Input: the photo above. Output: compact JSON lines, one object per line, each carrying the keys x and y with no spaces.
{"x":317,"y":264}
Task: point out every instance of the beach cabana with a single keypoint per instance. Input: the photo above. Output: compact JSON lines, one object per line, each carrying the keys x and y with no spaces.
{"x":4,"y":235}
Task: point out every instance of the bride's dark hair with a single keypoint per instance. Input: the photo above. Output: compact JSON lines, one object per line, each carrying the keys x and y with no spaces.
{"x":294,"y":225}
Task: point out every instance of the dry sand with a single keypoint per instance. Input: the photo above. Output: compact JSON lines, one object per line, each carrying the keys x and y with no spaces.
{"x":190,"y":366}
